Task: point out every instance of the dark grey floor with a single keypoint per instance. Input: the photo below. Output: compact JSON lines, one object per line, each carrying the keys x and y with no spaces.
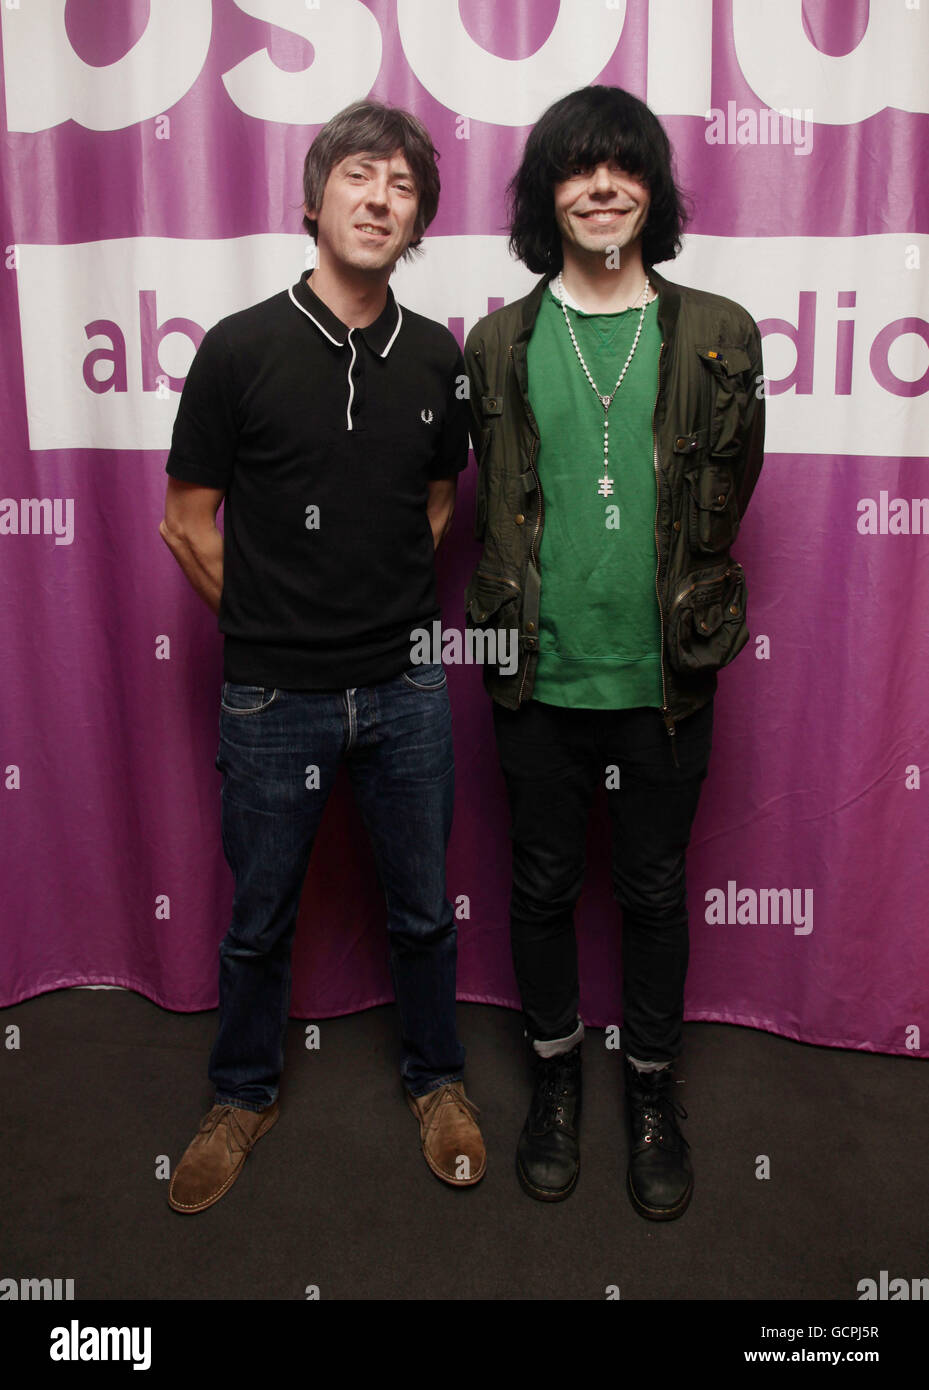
{"x":337,"y":1195}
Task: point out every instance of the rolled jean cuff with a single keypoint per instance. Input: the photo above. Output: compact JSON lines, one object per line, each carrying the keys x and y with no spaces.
{"x":254,"y":1106}
{"x":556,"y":1047}
{"x":646,"y":1066}
{"x":435,"y":1085}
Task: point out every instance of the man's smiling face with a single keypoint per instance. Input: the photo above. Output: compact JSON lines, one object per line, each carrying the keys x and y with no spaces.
{"x":367,"y":217}
{"x":600,"y":206}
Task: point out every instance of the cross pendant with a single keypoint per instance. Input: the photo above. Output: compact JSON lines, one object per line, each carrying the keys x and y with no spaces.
{"x":606,"y":487}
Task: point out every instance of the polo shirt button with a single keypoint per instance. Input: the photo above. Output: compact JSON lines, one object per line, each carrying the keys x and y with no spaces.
{"x":519,"y":518}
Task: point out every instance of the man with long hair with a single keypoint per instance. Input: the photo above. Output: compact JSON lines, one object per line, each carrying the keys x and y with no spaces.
{"x":330,"y":419}
{"x":618,"y":422}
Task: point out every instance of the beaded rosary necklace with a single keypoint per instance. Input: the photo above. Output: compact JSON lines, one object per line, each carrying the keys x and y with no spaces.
{"x":605,"y":487}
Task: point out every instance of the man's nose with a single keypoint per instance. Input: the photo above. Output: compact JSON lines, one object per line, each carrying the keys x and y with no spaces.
{"x":377,"y":192}
{"x":602,"y":180}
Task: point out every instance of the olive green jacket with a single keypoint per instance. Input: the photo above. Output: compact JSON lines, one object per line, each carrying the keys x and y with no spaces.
{"x":708,"y":430}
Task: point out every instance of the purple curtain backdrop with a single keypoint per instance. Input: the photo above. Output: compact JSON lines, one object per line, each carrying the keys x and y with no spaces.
{"x":113,"y":870}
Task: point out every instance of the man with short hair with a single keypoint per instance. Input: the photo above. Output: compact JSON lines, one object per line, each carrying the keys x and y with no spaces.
{"x":331,"y":421}
{"x":619,"y":427}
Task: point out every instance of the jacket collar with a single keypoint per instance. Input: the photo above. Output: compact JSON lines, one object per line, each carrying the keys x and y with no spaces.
{"x":669,"y":301}
{"x":379,"y":335}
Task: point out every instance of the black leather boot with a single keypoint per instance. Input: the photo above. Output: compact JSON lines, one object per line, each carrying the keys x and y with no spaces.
{"x":548,"y":1155}
{"x":660,"y":1175}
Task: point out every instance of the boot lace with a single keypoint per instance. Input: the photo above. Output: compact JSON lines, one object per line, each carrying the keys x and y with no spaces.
{"x":658,"y":1115}
{"x":555,"y":1085}
{"x":236,"y":1137}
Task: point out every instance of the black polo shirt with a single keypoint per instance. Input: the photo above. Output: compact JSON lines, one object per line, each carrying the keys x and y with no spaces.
{"x":324,"y":440}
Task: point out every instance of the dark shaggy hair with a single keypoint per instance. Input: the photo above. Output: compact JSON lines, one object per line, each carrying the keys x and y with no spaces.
{"x":367,"y":127}
{"x":590,"y":127}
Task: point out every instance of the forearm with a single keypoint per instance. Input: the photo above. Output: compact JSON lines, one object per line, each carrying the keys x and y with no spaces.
{"x":200,"y":556}
{"x":440,"y":521}
{"x":440,"y":507}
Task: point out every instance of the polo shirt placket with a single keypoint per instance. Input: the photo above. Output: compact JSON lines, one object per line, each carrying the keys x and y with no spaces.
{"x":379,"y":337}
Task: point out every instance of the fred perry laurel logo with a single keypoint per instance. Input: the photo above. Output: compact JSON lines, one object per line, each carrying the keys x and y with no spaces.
{"x":426,"y":416}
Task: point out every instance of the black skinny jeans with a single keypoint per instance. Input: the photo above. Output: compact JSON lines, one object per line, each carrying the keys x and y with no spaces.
{"x":552,"y":760}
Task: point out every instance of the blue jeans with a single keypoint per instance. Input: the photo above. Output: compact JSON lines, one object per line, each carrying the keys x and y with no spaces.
{"x":279,"y":751}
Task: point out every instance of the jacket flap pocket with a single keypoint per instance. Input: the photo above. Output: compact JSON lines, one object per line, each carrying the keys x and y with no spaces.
{"x":707,"y":627}
{"x":486,"y":595}
{"x":708,"y":617}
{"x":711,"y":487}
{"x":690,"y":443}
{"x":719,"y":603}
{"x":729,"y":368}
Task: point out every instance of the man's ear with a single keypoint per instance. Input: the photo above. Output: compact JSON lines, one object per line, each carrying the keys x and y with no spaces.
{"x":312,"y":213}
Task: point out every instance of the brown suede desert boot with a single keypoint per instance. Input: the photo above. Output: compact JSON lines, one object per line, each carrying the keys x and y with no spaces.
{"x":451,"y":1140}
{"x":214,"y":1159}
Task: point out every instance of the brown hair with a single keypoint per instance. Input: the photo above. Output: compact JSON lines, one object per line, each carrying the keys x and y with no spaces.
{"x":370,"y":128}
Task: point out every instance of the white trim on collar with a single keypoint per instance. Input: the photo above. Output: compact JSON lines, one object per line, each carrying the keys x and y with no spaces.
{"x":303,"y":310}
{"x":393,"y":335}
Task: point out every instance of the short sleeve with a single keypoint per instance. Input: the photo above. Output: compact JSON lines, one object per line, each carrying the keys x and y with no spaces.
{"x":205,"y":435}
{"x":452,"y":452}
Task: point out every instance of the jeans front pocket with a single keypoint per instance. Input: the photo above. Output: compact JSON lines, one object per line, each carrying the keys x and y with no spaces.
{"x":246,"y":699}
{"x":429,"y":676}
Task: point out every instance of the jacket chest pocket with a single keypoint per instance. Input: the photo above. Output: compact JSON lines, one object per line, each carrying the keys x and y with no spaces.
{"x":728,"y":369}
{"x":712,"y":486}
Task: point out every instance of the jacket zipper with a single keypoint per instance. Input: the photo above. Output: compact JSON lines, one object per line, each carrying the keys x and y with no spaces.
{"x":532,"y":453}
{"x":669,"y":722}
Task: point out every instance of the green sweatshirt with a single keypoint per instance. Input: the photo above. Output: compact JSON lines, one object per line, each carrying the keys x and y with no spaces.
{"x":599,"y":628}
